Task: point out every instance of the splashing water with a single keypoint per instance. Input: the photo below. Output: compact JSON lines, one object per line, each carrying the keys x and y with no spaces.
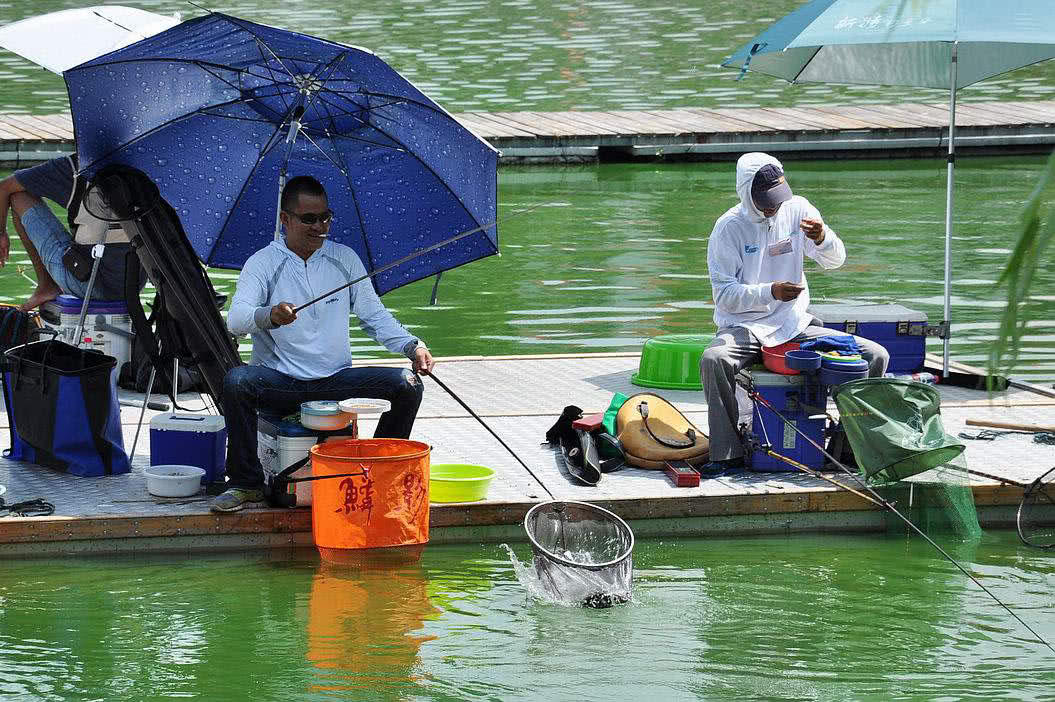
{"x":568,"y":586}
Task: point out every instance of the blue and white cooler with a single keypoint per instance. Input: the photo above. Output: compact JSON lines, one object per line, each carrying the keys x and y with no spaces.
{"x":901,"y":331}
{"x":113,"y":337}
{"x":190,"y":440}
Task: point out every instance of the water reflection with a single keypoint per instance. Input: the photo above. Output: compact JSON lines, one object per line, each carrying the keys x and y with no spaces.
{"x":361,"y":625}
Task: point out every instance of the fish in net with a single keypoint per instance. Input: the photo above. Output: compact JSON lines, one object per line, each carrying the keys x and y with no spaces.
{"x":583,"y":554}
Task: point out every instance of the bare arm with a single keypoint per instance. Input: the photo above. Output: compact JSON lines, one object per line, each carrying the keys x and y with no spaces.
{"x":8,"y":187}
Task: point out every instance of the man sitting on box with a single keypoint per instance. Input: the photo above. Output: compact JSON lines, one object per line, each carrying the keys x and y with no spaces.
{"x":62,"y":263}
{"x":755,"y":261}
{"x":307,"y":356}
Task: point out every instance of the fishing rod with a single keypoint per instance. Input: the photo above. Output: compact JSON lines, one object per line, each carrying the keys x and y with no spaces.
{"x":468,"y":409}
{"x":757,"y":397}
{"x":816,"y":474}
{"x":414,"y":255}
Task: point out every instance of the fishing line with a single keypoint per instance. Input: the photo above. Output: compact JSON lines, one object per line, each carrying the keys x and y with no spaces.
{"x":479,"y":419}
{"x":888,"y":505}
{"x":415,"y":254}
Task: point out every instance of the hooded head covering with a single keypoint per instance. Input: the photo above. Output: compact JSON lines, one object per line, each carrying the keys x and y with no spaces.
{"x":770,"y":173}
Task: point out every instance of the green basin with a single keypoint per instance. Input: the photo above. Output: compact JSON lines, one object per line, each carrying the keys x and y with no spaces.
{"x":672,"y":362}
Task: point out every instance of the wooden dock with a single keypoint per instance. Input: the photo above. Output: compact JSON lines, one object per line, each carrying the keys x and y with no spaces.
{"x":803,"y":131}
{"x":116,"y":514}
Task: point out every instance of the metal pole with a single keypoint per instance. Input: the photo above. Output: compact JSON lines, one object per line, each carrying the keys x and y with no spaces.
{"x":97,"y":256}
{"x":143,"y":411}
{"x":948,"y":213}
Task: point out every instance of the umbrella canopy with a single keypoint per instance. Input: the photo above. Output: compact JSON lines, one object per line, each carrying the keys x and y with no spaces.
{"x":61,"y":40}
{"x":926,"y":43}
{"x":902,"y":42}
{"x":217,"y":110}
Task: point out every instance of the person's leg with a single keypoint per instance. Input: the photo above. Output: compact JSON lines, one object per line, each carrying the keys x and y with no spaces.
{"x":45,"y":240}
{"x":246,"y":389}
{"x":400,"y":386}
{"x":732,"y":350}
{"x":877,"y":356}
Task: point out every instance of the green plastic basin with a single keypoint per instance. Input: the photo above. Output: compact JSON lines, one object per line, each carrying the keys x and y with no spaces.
{"x":458,"y":482}
{"x":672,"y":362}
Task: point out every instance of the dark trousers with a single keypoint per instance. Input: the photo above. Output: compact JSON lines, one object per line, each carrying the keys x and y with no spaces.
{"x":249,"y":389}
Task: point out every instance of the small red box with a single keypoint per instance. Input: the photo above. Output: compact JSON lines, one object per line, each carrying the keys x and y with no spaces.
{"x":590,"y":422}
{"x":682,"y":474}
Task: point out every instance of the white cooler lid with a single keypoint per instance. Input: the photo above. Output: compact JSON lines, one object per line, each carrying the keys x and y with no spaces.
{"x":364,"y":406}
{"x":176,"y":421}
{"x":866,"y":313}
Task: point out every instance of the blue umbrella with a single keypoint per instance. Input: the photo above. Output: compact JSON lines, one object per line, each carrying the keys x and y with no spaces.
{"x":926,"y":43}
{"x":218,"y":111}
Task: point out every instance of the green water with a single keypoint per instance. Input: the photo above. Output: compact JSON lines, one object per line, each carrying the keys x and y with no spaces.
{"x":492,"y":55}
{"x":775,"y":618}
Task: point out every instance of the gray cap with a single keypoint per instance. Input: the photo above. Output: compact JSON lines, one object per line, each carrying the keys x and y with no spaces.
{"x":770,"y":188}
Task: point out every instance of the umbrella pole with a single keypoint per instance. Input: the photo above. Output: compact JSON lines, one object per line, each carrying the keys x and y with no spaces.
{"x":950,"y":169}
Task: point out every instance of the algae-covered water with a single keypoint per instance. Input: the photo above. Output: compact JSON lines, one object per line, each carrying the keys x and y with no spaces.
{"x":825,"y":618}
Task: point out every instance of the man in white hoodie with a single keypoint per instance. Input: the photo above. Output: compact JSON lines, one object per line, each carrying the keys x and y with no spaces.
{"x":306,"y":355}
{"x":755,"y":260}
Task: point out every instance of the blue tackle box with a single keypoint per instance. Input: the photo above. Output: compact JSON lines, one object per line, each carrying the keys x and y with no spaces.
{"x":190,"y":440}
{"x":901,"y":331}
{"x":802,"y":402}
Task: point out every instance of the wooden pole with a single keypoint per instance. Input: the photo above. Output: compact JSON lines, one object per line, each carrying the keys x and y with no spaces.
{"x":1009,"y":425}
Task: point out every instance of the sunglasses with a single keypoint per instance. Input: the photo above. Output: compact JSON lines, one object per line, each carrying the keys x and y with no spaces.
{"x":310,"y":218}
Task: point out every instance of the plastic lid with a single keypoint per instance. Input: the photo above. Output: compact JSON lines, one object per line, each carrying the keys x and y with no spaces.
{"x":320,"y":408}
{"x":364,"y":405}
{"x":837,"y":313}
{"x":176,"y":421}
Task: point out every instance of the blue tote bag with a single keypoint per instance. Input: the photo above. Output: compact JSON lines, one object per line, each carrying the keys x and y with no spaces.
{"x":63,"y":409}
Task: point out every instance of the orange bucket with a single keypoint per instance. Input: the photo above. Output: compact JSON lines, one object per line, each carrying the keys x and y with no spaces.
{"x":380,"y":499}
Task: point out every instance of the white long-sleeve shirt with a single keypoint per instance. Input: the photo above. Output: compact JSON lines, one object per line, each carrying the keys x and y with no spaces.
{"x":747,"y":253}
{"x":315,"y":345}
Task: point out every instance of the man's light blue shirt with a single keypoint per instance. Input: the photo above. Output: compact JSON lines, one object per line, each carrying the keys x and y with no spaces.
{"x":316,"y":344}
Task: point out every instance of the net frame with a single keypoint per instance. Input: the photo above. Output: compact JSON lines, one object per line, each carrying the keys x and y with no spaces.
{"x":1040,"y":494}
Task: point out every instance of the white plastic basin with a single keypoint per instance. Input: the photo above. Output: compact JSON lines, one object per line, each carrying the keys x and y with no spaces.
{"x":173,"y":480}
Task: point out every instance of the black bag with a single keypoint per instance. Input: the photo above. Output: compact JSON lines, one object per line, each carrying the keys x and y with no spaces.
{"x":16,"y":327}
{"x":78,"y":261}
{"x":63,"y":409}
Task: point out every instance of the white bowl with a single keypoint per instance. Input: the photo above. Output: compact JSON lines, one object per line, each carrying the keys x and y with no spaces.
{"x":364,"y":406}
{"x":173,"y":480}
{"x":324,"y":415}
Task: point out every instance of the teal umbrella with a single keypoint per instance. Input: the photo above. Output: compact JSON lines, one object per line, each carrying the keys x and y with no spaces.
{"x":946,"y":44}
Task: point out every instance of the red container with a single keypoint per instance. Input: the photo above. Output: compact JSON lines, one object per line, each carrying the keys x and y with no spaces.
{"x":773,"y":357}
{"x":681,"y":474}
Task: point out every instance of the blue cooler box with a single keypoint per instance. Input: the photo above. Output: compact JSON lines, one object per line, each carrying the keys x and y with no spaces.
{"x":797,"y":400}
{"x":898,"y":329}
{"x":190,"y":440}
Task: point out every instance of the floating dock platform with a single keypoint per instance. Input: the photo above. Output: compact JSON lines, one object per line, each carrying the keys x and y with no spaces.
{"x":116,"y":514}
{"x":720,"y":133}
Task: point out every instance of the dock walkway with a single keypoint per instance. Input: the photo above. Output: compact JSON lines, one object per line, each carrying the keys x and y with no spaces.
{"x":803,"y":131}
{"x":116,"y":514}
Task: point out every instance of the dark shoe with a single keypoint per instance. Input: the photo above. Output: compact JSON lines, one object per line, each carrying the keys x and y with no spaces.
{"x":715,"y":469}
{"x":235,"y":499}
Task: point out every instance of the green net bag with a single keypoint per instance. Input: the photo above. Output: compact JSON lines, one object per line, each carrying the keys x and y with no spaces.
{"x":894,"y":427}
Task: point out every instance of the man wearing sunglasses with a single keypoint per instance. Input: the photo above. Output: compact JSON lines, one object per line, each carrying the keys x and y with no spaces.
{"x":305,"y":356}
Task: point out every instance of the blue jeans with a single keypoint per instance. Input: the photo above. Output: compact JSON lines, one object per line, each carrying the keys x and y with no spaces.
{"x":51,"y":240}
{"x":247,"y":389}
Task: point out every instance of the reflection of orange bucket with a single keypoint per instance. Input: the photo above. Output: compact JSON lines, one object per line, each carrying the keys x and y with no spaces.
{"x":382,"y":498}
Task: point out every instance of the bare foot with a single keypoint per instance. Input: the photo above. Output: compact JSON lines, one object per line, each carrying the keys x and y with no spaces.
{"x":43,"y":293}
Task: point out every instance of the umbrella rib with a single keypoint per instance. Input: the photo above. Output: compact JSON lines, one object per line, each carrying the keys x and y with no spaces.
{"x":263,"y":152}
{"x":806,"y":63}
